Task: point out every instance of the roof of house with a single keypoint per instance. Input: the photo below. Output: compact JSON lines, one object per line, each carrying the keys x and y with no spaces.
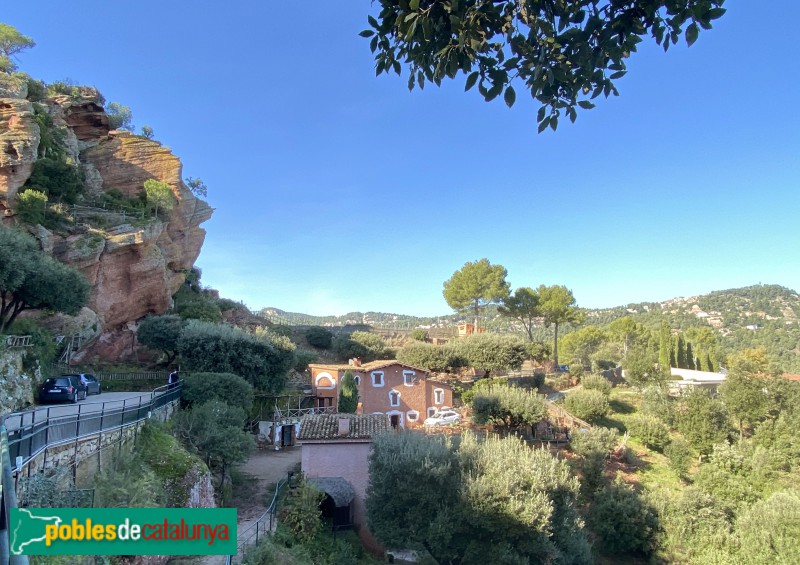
{"x":327,"y":427}
{"x":371,"y":366}
{"x":337,"y":488}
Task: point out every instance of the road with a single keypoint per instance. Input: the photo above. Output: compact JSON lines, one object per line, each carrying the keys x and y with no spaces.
{"x":95,"y":403}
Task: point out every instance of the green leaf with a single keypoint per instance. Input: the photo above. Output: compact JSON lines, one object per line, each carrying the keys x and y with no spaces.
{"x":414,"y":5}
{"x":691,"y":34}
{"x":543,"y":124}
{"x":367,"y":33}
{"x":373,"y":44}
{"x":585,"y":104}
{"x":510,"y":96}
{"x":411,"y":80}
{"x":372,"y":21}
{"x":396,"y":66}
{"x":471,"y":80}
{"x":618,"y":74}
{"x":715,"y":13}
{"x":540,"y":114}
{"x":553,"y":123}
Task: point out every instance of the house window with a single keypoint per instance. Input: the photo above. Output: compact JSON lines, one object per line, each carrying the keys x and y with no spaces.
{"x":408,"y":378}
{"x":438,"y":396}
{"x":325,"y":381}
{"x":412,"y":415}
{"x":394,"y":398}
{"x":357,"y":380}
{"x":377,"y":378}
{"x":431,"y":412}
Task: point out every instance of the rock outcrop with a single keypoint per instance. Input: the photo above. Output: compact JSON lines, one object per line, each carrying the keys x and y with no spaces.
{"x":134,"y":264}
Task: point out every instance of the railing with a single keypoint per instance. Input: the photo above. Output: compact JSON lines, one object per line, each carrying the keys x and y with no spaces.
{"x":8,"y":500}
{"x":18,"y":341}
{"x":259,"y":530}
{"x":32,"y":431}
{"x":289,"y":413}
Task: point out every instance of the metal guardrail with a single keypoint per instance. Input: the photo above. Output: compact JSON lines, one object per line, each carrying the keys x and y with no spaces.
{"x":8,"y":500}
{"x":262,"y":528}
{"x":30,"y":432}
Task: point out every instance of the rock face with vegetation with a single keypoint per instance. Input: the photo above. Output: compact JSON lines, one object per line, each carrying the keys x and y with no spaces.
{"x":134,"y":259}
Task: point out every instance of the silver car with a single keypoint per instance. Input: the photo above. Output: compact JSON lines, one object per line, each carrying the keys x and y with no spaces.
{"x":443,"y":417}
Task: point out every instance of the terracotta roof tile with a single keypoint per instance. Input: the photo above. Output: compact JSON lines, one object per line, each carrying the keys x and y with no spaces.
{"x":326,"y":426}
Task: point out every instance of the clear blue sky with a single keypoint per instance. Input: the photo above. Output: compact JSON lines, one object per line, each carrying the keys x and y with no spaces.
{"x":338,"y":191}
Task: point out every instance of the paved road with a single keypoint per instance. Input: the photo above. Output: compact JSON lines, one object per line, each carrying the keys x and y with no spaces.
{"x":95,"y":403}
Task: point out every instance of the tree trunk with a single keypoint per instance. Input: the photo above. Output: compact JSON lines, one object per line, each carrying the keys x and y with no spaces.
{"x":476,"y":316}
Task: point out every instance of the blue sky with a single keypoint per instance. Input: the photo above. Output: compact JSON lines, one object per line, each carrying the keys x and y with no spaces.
{"x":338,"y":191}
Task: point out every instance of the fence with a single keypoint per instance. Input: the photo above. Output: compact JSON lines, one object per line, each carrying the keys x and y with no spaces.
{"x":18,"y":341}
{"x":33,"y":431}
{"x":259,"y":530}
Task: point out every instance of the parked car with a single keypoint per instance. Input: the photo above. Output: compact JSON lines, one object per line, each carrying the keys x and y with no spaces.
{"x":66,"y":388}
{"x":443,"y":417}
{"x":91,"y":383}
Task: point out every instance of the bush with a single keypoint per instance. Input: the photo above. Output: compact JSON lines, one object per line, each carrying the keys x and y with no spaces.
{"x":119,"y":116}
{"x":509,"y":407}
{"x":60,"y":181}
{"x":598,"y":383}
{"x":32,"y":206}
{"x":363,"y":345}
{"x":303,"y":358}
{"x":623,"y":521}
{"x":319,"y":337}
{"x":301,"y":513}
{"x":680,"y":456}
{"x":481,"y":384}
{"x":652,"y":431}
{"x":492,"y":352}
{"x":162,"y":333}
{"x":262,"y":359}
{"x":589,"y":405}
{"x":229,"y":388}
{"x":348,"y":394}
{"x":594,"y":440}
{"x":769,"y":531}
{"x":441,"y":358}
{"x":44,"y":347}
{"x":418,"y":334}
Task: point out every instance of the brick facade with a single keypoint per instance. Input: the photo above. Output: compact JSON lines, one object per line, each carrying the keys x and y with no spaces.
{"x":404,"y":393}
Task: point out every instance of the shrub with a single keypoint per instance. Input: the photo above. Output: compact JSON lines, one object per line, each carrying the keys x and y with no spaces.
{"x":680,"y":456}
{"x":304,"y":357}
{"x":594,"y":440}
{"x":319,"y":337}
{"x":652,"y":431}
{"x":348,"y":394}
{"x":596,"y":382}
{"x":162,"y":333}
{"x":44,"y":347}
{"x":364,"y":345}
{"x":32,"y":206}
{"x":263,"y":359}
{"x":509,"y":407}
{"x":624,"y":522}
{"x":492,"y":352}
{"x":227,"y":387}
{"x":589,"y":405}
{"x":769,"y":531}
{"x":418,"y":334}
{"x":441,"y":358}
{"x":119,"y":116}
{"x":57,"y":179}
{"x":482,"y":384}
{"x":301,"y":512}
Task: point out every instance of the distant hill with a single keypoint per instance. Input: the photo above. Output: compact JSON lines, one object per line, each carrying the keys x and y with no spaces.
{"x":752,"y":316}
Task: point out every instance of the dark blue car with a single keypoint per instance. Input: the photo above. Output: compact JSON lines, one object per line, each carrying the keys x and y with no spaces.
{"x":67,"y":388}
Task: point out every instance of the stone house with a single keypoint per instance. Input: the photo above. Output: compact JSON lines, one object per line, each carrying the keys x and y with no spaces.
{"x":406,"y":394}
{"x":335,"y":457}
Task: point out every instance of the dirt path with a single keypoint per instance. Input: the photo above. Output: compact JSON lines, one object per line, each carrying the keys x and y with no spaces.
{"x":261,"y":472}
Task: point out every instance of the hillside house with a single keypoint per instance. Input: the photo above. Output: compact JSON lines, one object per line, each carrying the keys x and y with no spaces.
{"x":335,"y":457}
{"x":406,"y":394}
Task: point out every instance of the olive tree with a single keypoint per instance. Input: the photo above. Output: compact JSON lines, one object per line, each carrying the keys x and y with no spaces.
{"x":31,"y":279}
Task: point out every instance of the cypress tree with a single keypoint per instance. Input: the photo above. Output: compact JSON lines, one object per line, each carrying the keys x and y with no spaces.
{"x":711,"y":362}
{"x":680,"y":352}
{"x":689,"y":356}
{"x":664,"y":346}
{"x":348,"y":394}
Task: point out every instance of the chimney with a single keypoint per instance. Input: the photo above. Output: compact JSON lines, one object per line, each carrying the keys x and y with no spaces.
{"x":344,"y":426}
{"x":356,"y":362}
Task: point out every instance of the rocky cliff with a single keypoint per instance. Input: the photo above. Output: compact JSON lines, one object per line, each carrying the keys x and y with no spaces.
{"x":134,"y":264}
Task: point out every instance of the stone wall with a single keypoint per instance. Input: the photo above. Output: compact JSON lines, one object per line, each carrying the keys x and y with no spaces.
{"x":16,"y":385}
